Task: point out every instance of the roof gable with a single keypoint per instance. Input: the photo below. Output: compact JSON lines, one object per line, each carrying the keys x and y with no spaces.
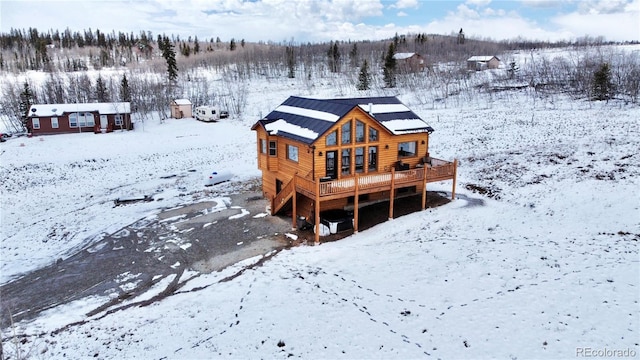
{"x":482,"y":58}
{"x":305,"y":119}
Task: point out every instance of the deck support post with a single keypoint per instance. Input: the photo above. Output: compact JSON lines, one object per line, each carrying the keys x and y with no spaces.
{"x":424,"y":188}
{"x":355,"y":206}
{"x":455,"y":178}
{"x":392,"y":192}
{"x":294,"y":203}
{"x":317,"y":212}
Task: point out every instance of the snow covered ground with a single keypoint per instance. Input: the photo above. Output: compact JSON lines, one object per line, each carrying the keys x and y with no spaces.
{"x":537,"y":258}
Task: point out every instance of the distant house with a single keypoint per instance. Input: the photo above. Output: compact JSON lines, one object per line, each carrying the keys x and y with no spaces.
{"x":47,"y":119}
{"x":340,"y":154}
{"x":409,"y":62}
{"x":479,"y":63}
{"x":181,"y":108}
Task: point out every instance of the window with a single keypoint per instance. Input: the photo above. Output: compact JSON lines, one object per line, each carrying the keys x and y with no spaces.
{"x":81,"y":119}
{"x":359,"y":131}
{"x":359,"y":159}
{"x":272,"y":148}
{"x":407,"y":149}
{"x":263,"y":146}
{"x":373,"y":134}
{"x":119,"y":120}
{"x":332,"y":138}
{"x":54,"y":122}
{"x":346,"y":133}
{"x":73,"y":120}
{"x":346,"y":161}
{"x":373,"y":158}
{"x":292,"y":153}
{"x":36,"y":123}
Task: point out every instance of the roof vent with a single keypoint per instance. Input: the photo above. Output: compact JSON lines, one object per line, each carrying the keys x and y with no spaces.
{"x":33,"y":109}
{"x":371,"y":108}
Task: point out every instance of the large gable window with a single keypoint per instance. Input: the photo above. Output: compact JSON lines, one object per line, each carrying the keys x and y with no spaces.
{"x":373,"y":158}
{"x":346,"y":132}
{"x":359,"y":131}
{"x":292,"y":153}
{"x":346,"y":161}
{"x":373,"y":134}
{"x":359,"y":159}
{"x":332,"y":138}
{"x":407,"y":149}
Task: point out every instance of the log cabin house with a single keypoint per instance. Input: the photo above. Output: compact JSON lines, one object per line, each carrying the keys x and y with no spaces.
{"x":49,"y":119}
{"x":323,"y":154}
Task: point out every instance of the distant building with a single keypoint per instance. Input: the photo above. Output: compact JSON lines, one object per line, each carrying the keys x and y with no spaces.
{"x":48,"y":119}
{"x":409,"y":62}
{"x":479,"y":63}
{"x":181,"y":108}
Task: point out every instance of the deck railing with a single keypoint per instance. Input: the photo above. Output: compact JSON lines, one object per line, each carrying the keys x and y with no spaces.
{"x":438,"y":170}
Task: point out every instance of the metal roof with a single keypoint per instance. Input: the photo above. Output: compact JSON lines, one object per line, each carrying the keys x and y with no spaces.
{"x":306,"y":119}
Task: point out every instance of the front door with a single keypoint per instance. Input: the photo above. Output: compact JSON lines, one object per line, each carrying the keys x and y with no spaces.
{"x":332,"y":171}
{"x":103,"y":123}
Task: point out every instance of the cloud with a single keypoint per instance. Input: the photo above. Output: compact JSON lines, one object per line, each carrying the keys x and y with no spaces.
{"x":478,"y":3}
{"x":405,"y":4}
{"x":604,"y":6}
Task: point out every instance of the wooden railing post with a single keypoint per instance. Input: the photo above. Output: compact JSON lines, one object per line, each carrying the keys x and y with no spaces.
{"x":294,"y":220}
{"x":317,"y":211}
{"x":392,"y":192}
{"x":424,"y":188}
{"x":455,"y":176}
{"x":355,"y":206}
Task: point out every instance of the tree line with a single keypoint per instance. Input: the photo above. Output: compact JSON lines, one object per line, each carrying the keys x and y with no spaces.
{"x":158,"y":73}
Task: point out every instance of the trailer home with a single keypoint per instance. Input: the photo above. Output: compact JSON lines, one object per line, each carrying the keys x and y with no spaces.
{"x":208,"y":113}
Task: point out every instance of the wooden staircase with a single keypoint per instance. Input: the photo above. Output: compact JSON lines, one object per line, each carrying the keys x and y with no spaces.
{"x":282,"y":198}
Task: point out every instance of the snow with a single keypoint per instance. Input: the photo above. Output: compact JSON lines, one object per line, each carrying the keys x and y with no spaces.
{"x":59,"y":109}
{"x":544,"y":264}
{"x":314,"y":114}
{"x":282,"y":125}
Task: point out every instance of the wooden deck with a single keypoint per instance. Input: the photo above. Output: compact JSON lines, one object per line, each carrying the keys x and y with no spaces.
{"x":365,"y":183}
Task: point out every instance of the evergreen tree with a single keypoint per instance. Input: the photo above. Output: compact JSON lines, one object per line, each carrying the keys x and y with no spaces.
{"x":513,"y":69}
{"x":364,"y":79}
{"x":291,"y":61}
{"x":125,"y":91}
{"x":460,"y":37}
{"x":389,"y":70}
{"x":602,"y":85}
{"x":353,"y":55}
{"x":232,"y":45}
{"x":169,"y":55}
{"x":102,"y":94}
{"x":333,"y":56}
{"x":26,"y":100}
{"x":196,"y":46}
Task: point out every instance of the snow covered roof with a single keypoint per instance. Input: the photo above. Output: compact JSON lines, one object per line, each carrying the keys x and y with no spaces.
{"x":182,"y":102}
{"x":305,"y":119}
{"x":403,"y":56}
{"x":482,"y":58}
{"x":59,"y":109}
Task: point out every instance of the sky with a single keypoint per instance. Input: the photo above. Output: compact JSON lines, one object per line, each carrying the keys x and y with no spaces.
{"x":303,"y":21}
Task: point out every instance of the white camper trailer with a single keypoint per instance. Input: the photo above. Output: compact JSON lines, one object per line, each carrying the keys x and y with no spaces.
{"x":207,"y":113}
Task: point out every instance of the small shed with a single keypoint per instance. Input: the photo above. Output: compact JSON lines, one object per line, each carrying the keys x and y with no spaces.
{"x":479,"y":63}
{"x":181,"y":108}
{"x":409,"y":62}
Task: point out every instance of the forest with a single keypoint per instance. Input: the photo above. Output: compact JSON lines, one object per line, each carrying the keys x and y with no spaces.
{"x":149,"y":71}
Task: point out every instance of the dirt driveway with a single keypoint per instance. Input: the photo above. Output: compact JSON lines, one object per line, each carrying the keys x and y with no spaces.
{"x":205,"y":237}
